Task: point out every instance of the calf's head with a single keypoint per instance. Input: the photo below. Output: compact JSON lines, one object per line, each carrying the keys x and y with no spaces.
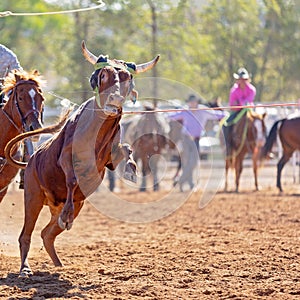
{"x":113,"y":80}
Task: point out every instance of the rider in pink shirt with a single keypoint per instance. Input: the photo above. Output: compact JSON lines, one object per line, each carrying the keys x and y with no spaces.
{"x":243,"y":92}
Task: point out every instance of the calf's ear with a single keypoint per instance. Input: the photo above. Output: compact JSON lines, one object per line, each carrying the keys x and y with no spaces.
{"x":94,"y":79}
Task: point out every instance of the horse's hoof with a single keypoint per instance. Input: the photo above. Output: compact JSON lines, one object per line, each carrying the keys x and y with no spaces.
{"x":25,"y":273}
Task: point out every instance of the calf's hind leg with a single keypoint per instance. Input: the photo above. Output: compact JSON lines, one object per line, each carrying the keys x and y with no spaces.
{"x":52,"y":230}
{"x":3,"y":193}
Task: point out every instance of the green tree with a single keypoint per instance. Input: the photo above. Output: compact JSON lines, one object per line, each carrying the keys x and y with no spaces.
{"x":200,"y":45}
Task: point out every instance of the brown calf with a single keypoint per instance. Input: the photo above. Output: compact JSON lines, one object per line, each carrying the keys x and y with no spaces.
{"x":71,"y":165}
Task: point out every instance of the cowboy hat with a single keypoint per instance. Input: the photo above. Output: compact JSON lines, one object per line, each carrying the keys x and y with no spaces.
{"x":242,"y":73}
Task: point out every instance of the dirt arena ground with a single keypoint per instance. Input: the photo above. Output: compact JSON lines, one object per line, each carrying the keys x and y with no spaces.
{"x":239,"y":246}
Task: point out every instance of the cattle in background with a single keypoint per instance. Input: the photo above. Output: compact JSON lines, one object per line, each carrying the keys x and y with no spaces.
{"x":149,"y":136}
{"x":66,"y":169}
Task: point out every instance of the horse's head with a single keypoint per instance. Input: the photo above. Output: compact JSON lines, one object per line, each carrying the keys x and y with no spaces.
{"x":26,"y":100}
{"x":114,"y":80}
{"x":260,"y":127}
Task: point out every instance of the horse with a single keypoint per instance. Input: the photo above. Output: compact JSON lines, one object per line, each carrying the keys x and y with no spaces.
{"x":248,"y":136}
{"x":289,"y":135}
{"x":21,"y":112}
{"x":71,"y":165}
{"x":148,"y":136}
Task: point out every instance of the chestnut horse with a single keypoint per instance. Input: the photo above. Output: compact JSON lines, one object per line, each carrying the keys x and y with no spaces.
{"x":69,"y":167}
{"x":248,"y":136}
{"x":289,"y":134}
{"x":22,"y":112}
{"x":148,"y":136}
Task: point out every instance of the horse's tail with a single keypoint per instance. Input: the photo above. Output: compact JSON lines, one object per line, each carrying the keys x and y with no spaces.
{"x":10,"y":145}
{"x":266,"y":149}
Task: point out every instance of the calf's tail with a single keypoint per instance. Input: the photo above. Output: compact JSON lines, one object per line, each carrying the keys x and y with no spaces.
{"x":10,"y":145}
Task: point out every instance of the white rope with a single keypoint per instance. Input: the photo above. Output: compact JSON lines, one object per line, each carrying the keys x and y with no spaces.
{"x":9,"y":13}
{"x":65,"y":102}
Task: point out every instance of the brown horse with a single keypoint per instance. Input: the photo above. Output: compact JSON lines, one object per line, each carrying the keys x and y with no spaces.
{"x":289,"y":134}
{"x":248,"y":136}
{"x":64,"y":171}
{"x":22,"y":112}
{"x":148,"y":136}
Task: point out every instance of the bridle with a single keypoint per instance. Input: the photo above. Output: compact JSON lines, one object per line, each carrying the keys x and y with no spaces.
{"x":33,"y":110}
{"x":23,"y":116}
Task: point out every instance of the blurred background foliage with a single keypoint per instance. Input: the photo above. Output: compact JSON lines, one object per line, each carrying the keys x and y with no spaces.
{"x":201,"y":43}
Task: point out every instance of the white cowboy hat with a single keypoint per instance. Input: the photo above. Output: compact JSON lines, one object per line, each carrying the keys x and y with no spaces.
{"x":242,"y":73}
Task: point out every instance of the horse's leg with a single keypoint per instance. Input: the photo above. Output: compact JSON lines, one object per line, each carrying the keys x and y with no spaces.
{"x":33,"y":206}
{"x":146,"y":170}
{"x":153,"y":165}
{"x":227,"y":166}
{"x":176,"y":176}
{"x":238,"y":172}
{"x":155,"y":180}
{"x":111,"y":179}
{"x":283,"y":160}
{"x":52,"y":230}
{"x":254,"y":164}
{"x":144,"y":174}
{"x":155,"y":177}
